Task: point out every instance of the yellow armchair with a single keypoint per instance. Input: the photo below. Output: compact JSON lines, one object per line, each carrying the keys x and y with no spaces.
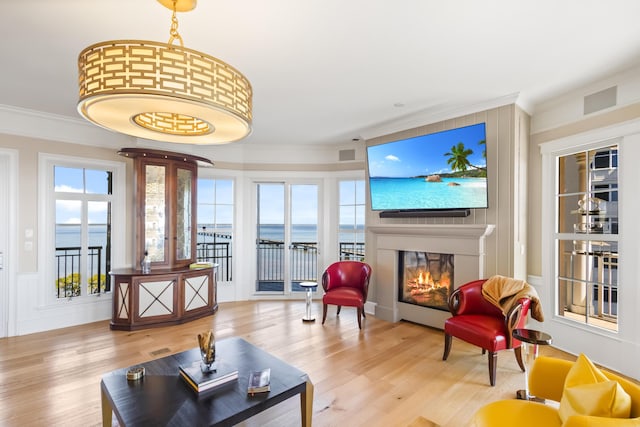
{"x":546,"y":381}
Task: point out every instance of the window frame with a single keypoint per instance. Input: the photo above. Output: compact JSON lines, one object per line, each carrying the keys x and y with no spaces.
{"x":551,"y":152}
{"x":354,"y":205}
{"x":562,"y":237}
{"x":47,"y":218}
{"x":232,"y":231}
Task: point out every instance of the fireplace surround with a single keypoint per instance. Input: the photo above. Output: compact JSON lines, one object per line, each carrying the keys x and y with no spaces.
{"x":464,"y":242}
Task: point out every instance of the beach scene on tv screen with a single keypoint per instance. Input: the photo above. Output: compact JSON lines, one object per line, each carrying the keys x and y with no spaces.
{"x":444,"y":170}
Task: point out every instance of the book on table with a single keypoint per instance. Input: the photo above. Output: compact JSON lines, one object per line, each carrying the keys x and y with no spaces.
{"x":202,"y":381}
{"x":259,"y":381}
{"x":200,"y":264}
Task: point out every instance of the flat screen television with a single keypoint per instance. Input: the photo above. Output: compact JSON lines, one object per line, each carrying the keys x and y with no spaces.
{"x":442,"y":171}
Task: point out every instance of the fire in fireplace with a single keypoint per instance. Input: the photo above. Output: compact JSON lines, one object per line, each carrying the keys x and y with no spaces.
{"x":426,"y":279}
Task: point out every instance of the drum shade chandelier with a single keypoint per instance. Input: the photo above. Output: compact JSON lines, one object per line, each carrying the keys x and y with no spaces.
{"x":164,"y":92}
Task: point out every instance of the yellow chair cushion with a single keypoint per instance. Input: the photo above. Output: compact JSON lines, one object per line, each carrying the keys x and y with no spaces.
{"x":587,"y":391}
{"x":512,"y":412}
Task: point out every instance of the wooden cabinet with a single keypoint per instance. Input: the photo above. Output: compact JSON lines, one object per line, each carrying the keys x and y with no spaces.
{"x":162,"y":297}
{"x":165,"y":229}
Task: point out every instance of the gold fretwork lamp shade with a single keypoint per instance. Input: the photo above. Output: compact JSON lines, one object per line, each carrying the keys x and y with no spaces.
{"x":163,"y":92}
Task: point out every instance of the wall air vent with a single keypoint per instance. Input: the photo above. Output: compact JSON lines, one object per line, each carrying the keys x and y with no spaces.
{"x":345,"y":155}
{"x":600,"y":100}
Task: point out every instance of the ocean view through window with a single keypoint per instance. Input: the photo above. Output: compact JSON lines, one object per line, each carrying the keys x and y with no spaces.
{"x":351,"y":220}
{"x":215,"y":233}
{"x":82,"y":231}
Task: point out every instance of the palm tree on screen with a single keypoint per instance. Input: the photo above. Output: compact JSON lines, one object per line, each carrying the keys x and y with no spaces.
{"x":458,"y":157}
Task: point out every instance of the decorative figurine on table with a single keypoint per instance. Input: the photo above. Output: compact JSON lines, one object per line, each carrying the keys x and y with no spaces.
{"x":207,"y":344}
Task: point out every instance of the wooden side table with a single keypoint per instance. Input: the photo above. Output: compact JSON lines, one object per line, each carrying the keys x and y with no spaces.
{"x":310,"y":287}
{"x":530,"y":339}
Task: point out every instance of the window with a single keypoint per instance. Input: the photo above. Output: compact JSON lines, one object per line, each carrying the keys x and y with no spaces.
{"x":587,"y":237}
{"x":215,"y":224}
{"x":83,"y":203}
{"x":351,"y":221}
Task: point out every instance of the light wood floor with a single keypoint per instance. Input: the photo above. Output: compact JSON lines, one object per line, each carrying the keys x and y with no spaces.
{"x":388,"y":374}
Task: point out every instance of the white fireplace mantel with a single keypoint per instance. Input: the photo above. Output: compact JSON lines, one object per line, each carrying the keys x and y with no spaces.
{"x":465,"y":241}
{"x":461,"y":230}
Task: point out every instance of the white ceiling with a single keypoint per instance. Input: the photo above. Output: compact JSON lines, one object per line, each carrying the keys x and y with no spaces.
{"x":327,"y":71}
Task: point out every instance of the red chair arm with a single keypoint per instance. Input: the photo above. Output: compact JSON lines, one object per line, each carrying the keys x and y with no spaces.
{"x":365,"y":287}
{"x":325,"y":280}
{"x":468,"y":299}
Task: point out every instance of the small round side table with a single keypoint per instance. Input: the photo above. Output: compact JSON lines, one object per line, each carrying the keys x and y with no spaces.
{"x":530,"y":339}
{"x":310,"y":287}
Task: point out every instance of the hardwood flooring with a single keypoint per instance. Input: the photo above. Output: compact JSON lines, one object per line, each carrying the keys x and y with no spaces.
{"x":388,"y":374}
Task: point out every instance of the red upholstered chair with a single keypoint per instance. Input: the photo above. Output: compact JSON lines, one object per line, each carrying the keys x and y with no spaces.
{"x":346,"y":283}
{"x":477,"y":321}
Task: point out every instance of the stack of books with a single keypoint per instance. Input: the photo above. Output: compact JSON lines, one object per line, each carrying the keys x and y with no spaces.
{"x":200,"y":264}
{"x":199,"y":381}
{"x":259,"y":381}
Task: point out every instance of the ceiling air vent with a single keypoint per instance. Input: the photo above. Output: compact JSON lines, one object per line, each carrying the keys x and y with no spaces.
{"x":346,"y":155}
{"x":600,"y":100}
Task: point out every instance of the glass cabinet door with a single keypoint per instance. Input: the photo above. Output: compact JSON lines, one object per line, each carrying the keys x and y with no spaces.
{"x":165,"y":221}
{"x":155,"y":238}
{"x":184,"y":198}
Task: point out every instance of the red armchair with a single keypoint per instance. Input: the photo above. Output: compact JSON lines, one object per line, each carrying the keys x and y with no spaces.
{"x":478,"y":322}
{"x":346,"y":283}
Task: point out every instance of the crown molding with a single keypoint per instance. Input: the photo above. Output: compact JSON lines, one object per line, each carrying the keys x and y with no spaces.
{"x":434,"y":115}
{"x":37,"y":124}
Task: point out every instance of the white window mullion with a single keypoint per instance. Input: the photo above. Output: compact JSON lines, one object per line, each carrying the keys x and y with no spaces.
{"x":84,"y":251}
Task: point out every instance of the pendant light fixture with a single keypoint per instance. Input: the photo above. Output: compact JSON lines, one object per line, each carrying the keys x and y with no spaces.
{"x":163,"y":91}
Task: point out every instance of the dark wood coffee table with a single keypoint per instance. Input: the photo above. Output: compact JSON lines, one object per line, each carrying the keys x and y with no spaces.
{"x":161,"y":397}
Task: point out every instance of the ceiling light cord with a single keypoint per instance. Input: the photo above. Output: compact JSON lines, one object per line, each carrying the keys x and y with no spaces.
{"x":174,"y":27}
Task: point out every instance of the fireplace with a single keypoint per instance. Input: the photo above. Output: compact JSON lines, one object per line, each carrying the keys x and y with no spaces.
{"x":425,"y":279}
{"x":464,"y":242}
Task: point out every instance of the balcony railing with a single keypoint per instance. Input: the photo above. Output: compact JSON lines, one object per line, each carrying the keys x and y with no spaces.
{"x":303,"y":264}
{"x":216,"y":247}
{"x":351,"y":251}
{"x":303,"y":260}
{"x":69,"y":278}
{"x":217,"y":253}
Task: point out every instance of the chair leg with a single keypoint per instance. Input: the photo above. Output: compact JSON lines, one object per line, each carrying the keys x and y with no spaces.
{"x":338,"y":312}
{"x":447,"y":346}
{"x":360,"y":310}
{"x":518,"y":352}
{"x":484,"y":350}
{"x":493,"y":361}
{"x":324,"y":313}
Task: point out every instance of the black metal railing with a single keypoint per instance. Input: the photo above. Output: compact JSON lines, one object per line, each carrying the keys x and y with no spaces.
{"x":304,"y":264}
{"x":351,"y":251}
{"x":304,"y":261}
{"x":217,"y":248}
{"x":217,"y":253}
{"x":69,"y":277}
{"x":270,"y":260}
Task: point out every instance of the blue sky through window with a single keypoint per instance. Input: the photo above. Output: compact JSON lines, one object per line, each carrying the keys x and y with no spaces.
{"x":79,"y":180}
